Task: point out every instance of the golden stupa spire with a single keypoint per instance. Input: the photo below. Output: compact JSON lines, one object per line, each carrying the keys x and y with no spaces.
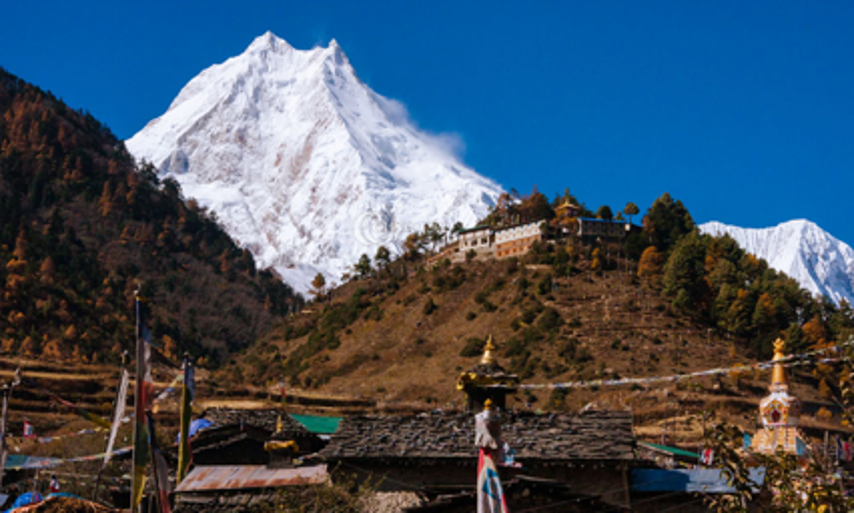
{"x":488,"y":357}
{"x":778,"y":375}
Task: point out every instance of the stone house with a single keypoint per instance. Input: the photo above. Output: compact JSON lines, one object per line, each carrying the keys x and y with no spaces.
{"x":435,"y":452}
{"x":479,"y":239}
{"x":518,"y":239}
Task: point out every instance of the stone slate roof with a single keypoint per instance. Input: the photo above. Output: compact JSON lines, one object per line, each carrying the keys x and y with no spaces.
{"x":589,"y":436}
{"x":262,"y":419}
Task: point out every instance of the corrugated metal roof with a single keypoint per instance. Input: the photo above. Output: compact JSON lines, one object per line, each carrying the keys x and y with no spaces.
{"x":205,"y":479}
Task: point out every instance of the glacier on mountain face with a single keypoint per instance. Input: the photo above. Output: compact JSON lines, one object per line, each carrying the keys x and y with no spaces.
{"x":305,"y":165}
{"x":821,"y":263}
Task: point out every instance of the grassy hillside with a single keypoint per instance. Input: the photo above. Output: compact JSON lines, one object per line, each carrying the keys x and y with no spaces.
{"x":568,"y":311}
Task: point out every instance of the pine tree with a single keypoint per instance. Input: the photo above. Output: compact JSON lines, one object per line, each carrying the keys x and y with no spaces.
{"x":631,"y":210}
{"x":383,"y":257}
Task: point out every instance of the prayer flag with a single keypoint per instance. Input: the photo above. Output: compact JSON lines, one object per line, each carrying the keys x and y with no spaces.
{"x":161,"y":471}
{"x":118,"y":414}
{"x":91,"y":417}
{"x":142,"y":395}
{"x":707,"y":457}
{"x":843,"y":450}
{"x":490,"y":496}
{"x":29,"y":431}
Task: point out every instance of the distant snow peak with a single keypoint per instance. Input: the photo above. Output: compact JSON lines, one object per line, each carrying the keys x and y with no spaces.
{"x":821,"y":263}
{"x":304,"y":164}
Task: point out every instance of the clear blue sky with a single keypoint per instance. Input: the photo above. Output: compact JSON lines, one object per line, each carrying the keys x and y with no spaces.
{"x":743,"y":110}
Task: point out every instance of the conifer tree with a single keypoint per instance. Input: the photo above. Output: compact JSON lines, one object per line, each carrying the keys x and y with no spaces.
{"x":631,"y":210}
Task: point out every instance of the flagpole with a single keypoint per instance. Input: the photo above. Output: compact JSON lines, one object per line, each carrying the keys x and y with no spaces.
{"x":136,"y":398}
{"x":186,"y":414}
{"x":4,"y":450}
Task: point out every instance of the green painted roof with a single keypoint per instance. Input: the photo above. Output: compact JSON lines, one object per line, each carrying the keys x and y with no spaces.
{"x":316,"y":424}
{"x":672,"y":450}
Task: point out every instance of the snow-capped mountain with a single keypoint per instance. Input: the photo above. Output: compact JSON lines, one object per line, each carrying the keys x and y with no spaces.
{"x":304,"y":164}
{"x":821,"y":263}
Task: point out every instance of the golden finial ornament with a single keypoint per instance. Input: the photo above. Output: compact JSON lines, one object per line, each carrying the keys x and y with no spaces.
{"x":778,"y":375}
{"x":488,"y":357}
{"x":487,"y":405}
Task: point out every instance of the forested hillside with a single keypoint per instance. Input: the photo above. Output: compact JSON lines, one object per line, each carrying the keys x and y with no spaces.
{"x":82,"y":227}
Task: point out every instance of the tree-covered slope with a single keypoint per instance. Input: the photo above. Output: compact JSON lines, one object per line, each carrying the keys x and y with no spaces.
{"x":82,"y":227}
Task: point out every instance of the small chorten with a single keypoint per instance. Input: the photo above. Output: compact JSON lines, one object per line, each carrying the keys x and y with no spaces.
{"x":779,"y":413}
{"x":487,"y":381}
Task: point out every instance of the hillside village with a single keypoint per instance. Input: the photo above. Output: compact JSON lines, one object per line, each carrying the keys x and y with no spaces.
{"x":515,"y":240}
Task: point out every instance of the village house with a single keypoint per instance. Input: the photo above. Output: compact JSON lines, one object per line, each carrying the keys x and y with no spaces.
{"x":591,"y":229}
{"x":518,"y":240}
{"x":434,"y":452}
{"x":479,"y":239}
{"x":244,"y":457}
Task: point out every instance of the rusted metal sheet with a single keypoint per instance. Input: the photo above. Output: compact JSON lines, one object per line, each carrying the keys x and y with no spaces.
{"x":205,"y":479}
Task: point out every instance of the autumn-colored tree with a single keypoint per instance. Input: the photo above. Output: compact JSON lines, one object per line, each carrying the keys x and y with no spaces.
{"x":650,"y":266}
{"x":70,"y":333}
{"x":47,"y":272}
{"x":30,"y":347}
{"x":224,"y":263}
{"x":54,"y":350}
{"x":170,"y":347}
{"x":815,"y":332}
{"x":105,"y":204}
{"x":22,"y":246}
{"x":126,"y":236}
{"x":318,"y":284}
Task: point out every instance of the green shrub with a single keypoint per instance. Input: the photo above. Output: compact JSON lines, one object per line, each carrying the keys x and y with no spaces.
{"x":549,"y":320}
{"x":429,"y":306}
{"x":488,"y":306}
{"x":474,"y":347}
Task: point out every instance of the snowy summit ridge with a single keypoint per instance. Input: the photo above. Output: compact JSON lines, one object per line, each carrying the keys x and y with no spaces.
{"x":304,"y":164}
{"x":820,"y":262}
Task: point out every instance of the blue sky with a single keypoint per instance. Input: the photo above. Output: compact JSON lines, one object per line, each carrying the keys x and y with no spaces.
{"x":743,"y":110}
